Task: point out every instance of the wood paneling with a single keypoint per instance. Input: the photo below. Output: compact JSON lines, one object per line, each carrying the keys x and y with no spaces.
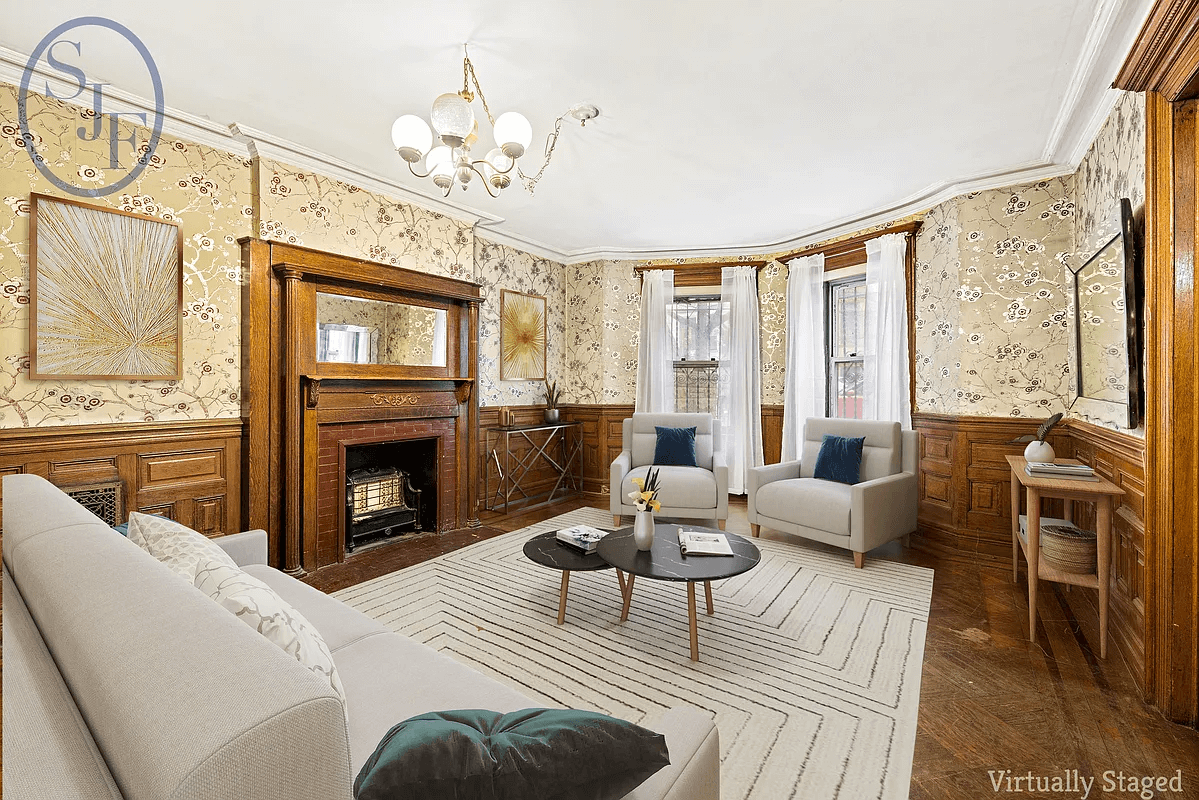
{"x":772,"y":434}
{"x":965,"y":504}
{"x":601,"y":443}
{"x":188,"y":471}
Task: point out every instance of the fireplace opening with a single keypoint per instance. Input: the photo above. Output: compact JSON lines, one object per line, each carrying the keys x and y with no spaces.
{"x":391,"y":490}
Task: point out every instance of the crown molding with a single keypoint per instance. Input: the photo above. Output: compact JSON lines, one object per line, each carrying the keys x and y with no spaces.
{"x":266,"y":145}
{"x":1089,"y":97}
{"x":175,"y":122}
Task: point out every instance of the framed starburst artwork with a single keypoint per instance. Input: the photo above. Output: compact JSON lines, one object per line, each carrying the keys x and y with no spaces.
{"x":522,"y":336}
{"x":106,"y":293}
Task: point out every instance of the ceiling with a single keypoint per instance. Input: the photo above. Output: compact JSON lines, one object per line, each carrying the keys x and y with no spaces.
{"x":726,"y":127}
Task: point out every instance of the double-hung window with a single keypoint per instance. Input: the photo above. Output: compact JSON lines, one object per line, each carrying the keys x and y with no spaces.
{"x":694,"y":323}
{"x":845,"y":341}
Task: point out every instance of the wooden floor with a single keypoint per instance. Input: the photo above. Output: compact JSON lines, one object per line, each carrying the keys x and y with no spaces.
{"x":989,"y":699}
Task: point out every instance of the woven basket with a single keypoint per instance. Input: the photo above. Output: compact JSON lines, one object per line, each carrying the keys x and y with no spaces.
{"x":1069,"y":549}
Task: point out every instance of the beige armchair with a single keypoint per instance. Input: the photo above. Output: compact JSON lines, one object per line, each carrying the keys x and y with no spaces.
{"x":785,"y":497}
{"x":699,"y":492}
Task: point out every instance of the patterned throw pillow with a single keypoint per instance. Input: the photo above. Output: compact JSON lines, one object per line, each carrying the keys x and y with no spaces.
{"x":175,"y":545}
{"x":260,"y":607}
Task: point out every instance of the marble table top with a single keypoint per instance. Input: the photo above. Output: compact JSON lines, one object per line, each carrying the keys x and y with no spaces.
{"x":664,"y":562}
{"x":545,"y":550}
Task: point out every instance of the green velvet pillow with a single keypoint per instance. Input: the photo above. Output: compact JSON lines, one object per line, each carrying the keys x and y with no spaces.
{"x":545,"y":753}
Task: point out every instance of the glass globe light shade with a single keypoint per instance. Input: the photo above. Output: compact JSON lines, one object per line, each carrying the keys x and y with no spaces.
{"x":513,"y":134}
{"x":473,"y":137}
{"x":498,"y":161}
{"x":452,"y":119}
{"x":437,"y":158}
{"x":411,"y":136}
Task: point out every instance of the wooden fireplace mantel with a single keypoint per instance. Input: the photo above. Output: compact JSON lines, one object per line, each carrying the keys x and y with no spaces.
{"x":288,"y":395}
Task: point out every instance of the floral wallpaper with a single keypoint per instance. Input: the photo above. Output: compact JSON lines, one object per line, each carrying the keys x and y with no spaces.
{"x":499,"y":267}
{"x":1114,"y":167}
{"x":772,"y":344}
{"x":206,"y":189}
{"x":938,"y":314}
{"x":604,"y":330}
{"x":313,"y":210}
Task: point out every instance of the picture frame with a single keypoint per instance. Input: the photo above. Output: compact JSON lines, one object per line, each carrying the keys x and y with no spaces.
{"x":105,"y":293}
{"x":523,"y":336}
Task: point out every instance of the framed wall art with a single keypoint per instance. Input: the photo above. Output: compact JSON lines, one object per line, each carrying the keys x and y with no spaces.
{"x":106,"y":293}
{"x":522,"y":336}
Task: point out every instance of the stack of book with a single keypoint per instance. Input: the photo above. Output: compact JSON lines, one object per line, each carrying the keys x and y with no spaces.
{"x":1050,"y":469}
{"x":583,"y":538}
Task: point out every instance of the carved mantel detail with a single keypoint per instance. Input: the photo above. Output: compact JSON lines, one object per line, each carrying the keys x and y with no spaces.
{"x":394,"y":400}
{"x":314,"y":392}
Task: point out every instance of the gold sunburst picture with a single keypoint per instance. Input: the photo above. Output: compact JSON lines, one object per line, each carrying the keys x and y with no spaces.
{"x":106,"y":293}
{"x":522,"y":336}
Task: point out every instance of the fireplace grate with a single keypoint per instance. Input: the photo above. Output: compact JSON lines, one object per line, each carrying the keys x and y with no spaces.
{"x":380,"y":499}
{"x":102,"y":499}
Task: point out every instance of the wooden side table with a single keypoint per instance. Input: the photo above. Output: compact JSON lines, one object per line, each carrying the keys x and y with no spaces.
{"x":1100,"y":493}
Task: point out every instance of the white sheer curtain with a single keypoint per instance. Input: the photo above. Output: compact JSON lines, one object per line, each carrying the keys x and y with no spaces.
{"x":740,"y":375}
{"x":655,"y":357}
{"x":805,"y":385}
{"x":886,"y":359}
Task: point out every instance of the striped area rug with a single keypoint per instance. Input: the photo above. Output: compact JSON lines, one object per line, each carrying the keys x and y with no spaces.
{"x":811,"y":667}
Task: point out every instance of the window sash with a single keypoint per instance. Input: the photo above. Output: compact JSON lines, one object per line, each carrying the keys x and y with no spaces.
{"x":839,"y":368}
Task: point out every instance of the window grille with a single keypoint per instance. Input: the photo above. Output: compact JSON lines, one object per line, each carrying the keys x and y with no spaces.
{"x":694,"y":323}
{"x":845,"y":343}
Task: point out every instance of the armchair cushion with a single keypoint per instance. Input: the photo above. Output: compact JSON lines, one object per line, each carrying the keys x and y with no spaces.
{"x":821,"y":504}
{"x":840,"y":459}
{"x":675,"y":447}
{"x":681,"y":487}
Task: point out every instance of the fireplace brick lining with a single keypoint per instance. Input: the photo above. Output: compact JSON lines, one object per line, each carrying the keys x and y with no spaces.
{"x":332,"y":437}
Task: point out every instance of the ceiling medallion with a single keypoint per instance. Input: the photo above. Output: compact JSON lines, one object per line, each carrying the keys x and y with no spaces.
{"x":458,"y":130}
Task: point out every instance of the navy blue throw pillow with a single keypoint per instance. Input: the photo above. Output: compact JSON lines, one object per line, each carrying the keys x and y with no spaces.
{"x":562,"y":754}
{"x":675,"y":448}
{"x":840,"y":459}
{"x":122,"y":529}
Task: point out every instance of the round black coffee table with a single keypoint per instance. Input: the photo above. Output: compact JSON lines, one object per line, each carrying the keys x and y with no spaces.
{"x":544,"y":549}
{"x":664,"y":562}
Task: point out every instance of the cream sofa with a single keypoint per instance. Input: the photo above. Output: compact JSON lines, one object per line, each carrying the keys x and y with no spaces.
{"x":699,"y":492}
{"x":123,"y":681}
{"x":882,"y":507}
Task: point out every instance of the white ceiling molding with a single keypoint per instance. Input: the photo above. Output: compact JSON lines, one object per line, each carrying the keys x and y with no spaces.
{"x":175,"y":122}
{"x":265,"y":145}
{"x":1089,"y":97}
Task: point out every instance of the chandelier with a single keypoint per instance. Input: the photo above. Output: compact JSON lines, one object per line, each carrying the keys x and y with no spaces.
{"x":457,"y":130}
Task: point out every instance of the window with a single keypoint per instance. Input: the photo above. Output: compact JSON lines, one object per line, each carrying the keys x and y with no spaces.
{"x":694,"y":322}
{"x":845,"y":342}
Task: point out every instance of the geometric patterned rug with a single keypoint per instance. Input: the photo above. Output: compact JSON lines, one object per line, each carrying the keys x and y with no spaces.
{"x":811,"y":667}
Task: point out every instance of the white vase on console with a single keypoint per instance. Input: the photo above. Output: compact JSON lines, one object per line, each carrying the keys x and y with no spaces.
{"x":1039,"y":451}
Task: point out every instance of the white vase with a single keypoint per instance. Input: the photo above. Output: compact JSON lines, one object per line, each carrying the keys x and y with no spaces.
{"x":1039,"y":451}
{"x":643,"y":530}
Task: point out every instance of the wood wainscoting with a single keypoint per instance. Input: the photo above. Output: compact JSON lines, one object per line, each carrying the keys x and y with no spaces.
{"x":965,"y":504}
{"x":602,"y":443}
{"x":187,"y":471}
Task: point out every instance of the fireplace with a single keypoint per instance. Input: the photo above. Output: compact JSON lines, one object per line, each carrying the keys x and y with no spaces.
{"x":391,"y":490}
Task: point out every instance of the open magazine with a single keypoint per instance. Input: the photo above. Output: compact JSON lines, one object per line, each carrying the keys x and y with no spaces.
{"x":694,"y":543}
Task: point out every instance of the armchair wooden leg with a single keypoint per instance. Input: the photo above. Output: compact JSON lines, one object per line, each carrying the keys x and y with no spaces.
{"x":859,"y":559}
{"x":616,"y":520}
{"x":720,"y":523}
{"x":755,"y":529}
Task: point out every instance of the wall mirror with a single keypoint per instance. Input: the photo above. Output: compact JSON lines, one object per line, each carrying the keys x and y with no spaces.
{"x":358,"y":330}
{"x":1107,"y":328}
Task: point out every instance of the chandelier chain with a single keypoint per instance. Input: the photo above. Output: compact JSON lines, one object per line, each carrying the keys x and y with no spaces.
{"x":469,"y":69}
{"x":551,"y":142}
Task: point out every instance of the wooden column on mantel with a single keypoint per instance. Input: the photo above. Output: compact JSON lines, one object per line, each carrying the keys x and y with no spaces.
{"x":288,"y":397}
{"x":1164,"y":63}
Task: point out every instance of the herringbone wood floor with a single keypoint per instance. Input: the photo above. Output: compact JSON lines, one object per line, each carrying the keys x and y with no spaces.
{"x":989,"y":699}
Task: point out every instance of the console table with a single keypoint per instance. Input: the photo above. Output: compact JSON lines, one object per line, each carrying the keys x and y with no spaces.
{"x":1100,"y":493}
{"x":512,"y":471}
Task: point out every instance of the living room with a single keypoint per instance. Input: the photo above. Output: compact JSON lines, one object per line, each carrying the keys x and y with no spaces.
{"x":339,"y":321}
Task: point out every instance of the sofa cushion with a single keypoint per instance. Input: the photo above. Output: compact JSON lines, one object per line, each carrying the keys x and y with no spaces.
{"x":840,"y":459}
{"x":680,"y":487}
{"x":818,"y":504}
{"x":339,"y":624}
{"x":562,"y":754}
{"x":177,"y":546}
{"x":389,"y":677}
{"x":675,"y":447}
{"x":260,"y":607}
{"x":48,"y":750}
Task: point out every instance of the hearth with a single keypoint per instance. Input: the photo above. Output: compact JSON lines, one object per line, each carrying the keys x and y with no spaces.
{"x":390,"y":490}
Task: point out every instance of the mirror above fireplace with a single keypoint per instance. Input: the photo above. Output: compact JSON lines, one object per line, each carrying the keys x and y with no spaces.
{"x":359,"y":330}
